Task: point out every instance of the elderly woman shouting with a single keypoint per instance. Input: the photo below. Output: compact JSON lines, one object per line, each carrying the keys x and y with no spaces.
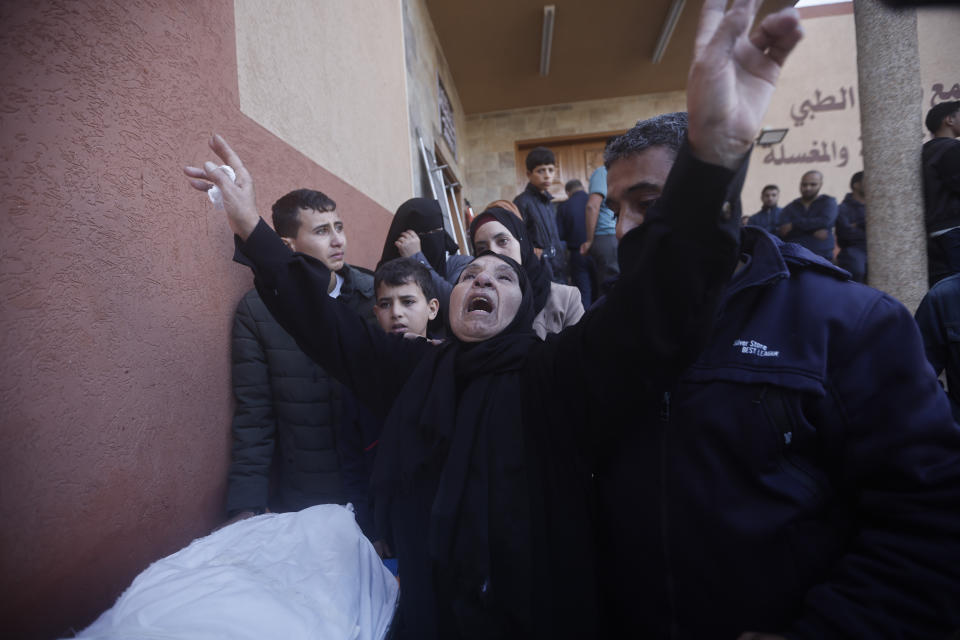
{"x":484,"y":460}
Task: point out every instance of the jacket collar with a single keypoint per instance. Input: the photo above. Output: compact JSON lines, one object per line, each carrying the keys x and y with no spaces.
{"x":770,"y":259}
{"x":351,"y":281}
{"x":542,"y":195}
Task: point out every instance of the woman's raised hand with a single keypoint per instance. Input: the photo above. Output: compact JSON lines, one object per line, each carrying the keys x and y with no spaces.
{"x":239,"y":200}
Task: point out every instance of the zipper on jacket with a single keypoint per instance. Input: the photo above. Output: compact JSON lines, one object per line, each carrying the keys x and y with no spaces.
{"x":673,"y":629}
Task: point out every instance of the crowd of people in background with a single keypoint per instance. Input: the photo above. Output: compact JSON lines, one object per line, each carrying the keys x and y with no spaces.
{"x":717,"y":432}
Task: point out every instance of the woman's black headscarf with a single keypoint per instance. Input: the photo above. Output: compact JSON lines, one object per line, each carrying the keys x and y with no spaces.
{"x":537,"y":271}
{"x":460,"y":419}
{"x":422,"y":215}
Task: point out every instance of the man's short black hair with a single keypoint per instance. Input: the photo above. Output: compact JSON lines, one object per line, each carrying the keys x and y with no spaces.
{"x":666,"y":130}
{"x":573,"y":185}
{"x":539,"y":156}
{"x":401,"y":271}
{"x":768,"y":187}
{"x":857,"y":177}
{"x":286,"y":210}
{"x":937,"y":114}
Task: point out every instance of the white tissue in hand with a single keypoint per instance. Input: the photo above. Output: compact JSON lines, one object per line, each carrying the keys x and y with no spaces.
{"x":214,"y":193}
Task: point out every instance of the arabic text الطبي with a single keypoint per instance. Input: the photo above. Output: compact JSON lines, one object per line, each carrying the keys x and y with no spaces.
{"x":822,"y":103}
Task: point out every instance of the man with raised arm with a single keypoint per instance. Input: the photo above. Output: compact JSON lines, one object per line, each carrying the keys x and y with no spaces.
{"x":801,"y":478}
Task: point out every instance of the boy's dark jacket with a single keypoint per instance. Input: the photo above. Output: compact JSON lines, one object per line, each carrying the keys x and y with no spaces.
{"x":802,"y":478}
{"x":288,"y":410}
{"x":541,"y":221}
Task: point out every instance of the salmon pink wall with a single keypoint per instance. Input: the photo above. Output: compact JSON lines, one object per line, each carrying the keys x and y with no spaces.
{"x":117,"y":291}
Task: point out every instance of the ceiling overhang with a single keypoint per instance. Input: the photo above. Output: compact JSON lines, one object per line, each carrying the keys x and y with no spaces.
{"x":600,"y":49}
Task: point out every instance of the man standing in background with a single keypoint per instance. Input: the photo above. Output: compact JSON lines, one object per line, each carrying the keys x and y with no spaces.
{"x":809,"y":219}
{"x":601,"y":242}
{"x":768,"y":218}
{"x":571,"y":219}
{"x":852,"y":230}
{"x":941,"y":190}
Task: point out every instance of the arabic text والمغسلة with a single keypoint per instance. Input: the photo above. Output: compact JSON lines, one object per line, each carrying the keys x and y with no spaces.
{"x":819,"y":152}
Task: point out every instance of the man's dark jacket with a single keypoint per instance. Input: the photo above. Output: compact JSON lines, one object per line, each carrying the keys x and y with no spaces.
{"x":822,"y":214}
{"x":852,"y":223}
{"x":938,"y":317}
{"x":571,"y":220}
{"x":802,"y":478}
{"x":768,"y":219}
{"x":941,"y":183}
{"x":287,"y":410}
{"x":541,"y":223}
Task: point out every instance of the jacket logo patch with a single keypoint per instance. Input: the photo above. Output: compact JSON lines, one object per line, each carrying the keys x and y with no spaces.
{"x":754,"y":348}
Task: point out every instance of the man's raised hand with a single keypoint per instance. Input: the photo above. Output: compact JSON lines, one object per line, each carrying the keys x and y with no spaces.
{"x":238,"y":198}
{"x":733,"y":76}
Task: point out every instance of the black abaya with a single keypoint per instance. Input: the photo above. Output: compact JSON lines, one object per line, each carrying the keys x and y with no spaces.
{"x":529,"y":572}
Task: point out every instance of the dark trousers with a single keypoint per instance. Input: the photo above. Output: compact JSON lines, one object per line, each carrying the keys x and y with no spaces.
{"x":943,"y":256}
{"x":581,"y":276}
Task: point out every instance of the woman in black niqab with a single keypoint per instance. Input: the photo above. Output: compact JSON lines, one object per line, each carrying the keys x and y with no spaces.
{"x":424,"y":217}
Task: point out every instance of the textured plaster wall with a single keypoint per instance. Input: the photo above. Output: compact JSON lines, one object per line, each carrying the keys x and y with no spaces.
{"x":118,"y":292}
{"x":424,"y":61}
{"x":328,"y":79}
{"x":489,"y":145}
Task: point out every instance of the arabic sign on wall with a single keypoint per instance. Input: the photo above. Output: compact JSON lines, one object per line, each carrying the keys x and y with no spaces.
{"x":820,"y":151}
{"x":817,"y":100}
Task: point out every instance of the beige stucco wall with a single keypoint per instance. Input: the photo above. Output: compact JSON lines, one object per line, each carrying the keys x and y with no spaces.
{"x":424,"y":61}
{"x":328,"y":79}
{"x":489,"y":149}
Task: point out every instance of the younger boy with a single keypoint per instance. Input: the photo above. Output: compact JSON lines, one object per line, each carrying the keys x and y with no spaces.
{"x":405,"y":299}
{"x":404,"y":303}
{"x":541,"y":221}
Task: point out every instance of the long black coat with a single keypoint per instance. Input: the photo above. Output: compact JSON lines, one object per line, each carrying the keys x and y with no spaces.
{"x":651,"y":326}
